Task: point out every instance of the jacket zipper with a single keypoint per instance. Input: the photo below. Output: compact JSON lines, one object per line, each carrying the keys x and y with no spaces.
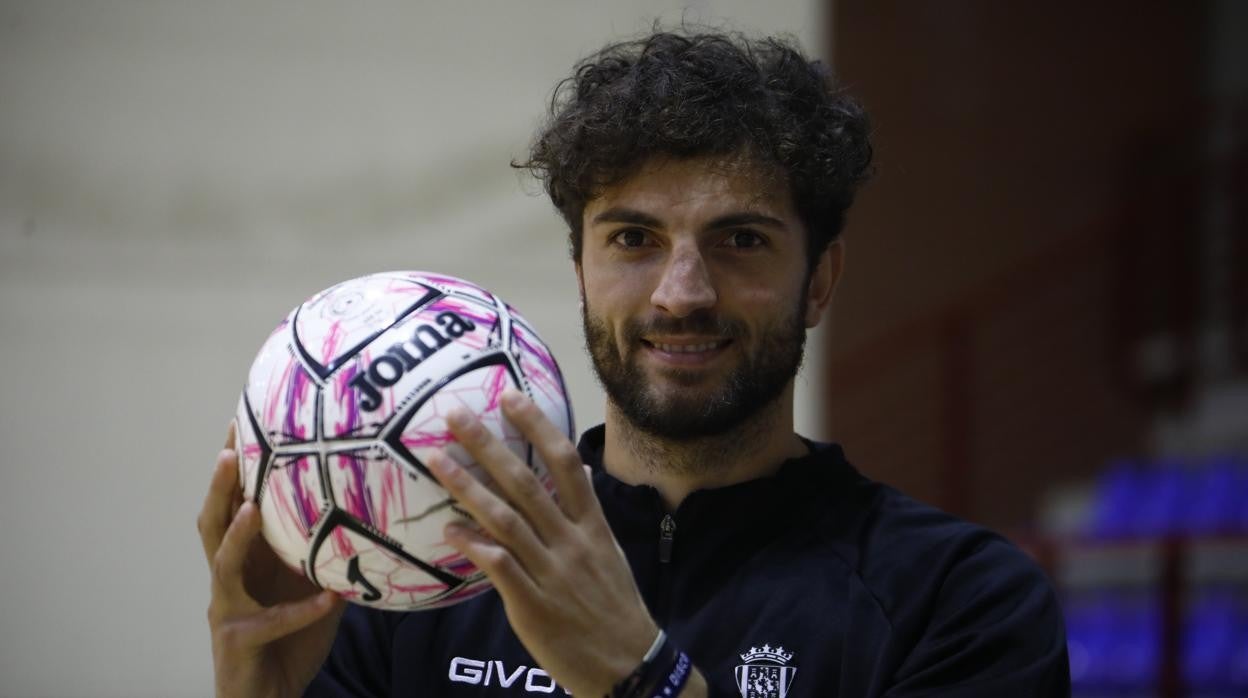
{"x":667,"y":535}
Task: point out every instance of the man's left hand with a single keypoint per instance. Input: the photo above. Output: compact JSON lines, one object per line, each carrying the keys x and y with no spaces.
{"x":565,"y":584}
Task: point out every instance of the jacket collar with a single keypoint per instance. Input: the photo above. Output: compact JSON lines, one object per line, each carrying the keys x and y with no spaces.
{"x":796,"y":477}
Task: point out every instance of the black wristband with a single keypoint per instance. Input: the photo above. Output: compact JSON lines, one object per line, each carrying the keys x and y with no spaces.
{"x":653,"y":669}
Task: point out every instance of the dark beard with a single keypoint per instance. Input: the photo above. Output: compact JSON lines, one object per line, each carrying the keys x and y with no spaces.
{"x":755,"y":383}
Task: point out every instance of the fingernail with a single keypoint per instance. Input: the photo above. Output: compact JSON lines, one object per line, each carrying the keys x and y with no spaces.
{"x":458,"y":417}
{"x":439,"y":462}
{"x":512,"y":398}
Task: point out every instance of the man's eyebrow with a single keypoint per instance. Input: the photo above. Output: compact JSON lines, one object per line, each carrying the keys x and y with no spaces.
{"x":733,"y":220}
{"x":620,"y":214}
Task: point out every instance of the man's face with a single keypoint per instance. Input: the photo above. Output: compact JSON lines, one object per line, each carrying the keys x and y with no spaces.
{"x":696,"y":294}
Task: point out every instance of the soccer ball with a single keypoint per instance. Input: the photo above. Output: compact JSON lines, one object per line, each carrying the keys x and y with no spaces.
{"x":344,"y":402}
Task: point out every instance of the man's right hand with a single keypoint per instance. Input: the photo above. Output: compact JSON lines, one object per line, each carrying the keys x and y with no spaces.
{"x":271,"y":629}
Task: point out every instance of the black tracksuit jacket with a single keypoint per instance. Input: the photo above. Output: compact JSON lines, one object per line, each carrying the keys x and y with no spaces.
{"x":815,"y":582}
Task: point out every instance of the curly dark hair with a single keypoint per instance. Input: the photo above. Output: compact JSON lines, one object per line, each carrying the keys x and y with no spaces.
{"x":695,"y":94}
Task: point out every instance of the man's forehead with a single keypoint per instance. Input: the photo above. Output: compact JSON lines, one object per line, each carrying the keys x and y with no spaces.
{"x":733,"y":181}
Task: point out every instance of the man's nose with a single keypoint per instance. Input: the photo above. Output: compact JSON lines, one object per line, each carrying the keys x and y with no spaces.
{"x":686,"y":284}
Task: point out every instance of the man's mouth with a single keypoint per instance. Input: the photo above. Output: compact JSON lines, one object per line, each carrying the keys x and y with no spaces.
{"x":697,"y":347}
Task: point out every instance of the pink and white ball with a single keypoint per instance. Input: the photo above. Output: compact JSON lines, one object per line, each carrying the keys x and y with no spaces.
{"x":346,"y":399}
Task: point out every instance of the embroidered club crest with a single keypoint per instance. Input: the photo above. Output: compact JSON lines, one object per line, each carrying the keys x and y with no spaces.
{"x":765,"y":673}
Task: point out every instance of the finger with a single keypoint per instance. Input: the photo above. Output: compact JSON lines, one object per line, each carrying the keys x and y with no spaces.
{"x":283,"y":619}
{"x":504,"y":571}
{"x":490,"y":511}
{"x":235,"y":444}
{"x":576,"y":494}
{"x":513,"y":476}
{"x":228,"y":562}
{"x":219,"y":503}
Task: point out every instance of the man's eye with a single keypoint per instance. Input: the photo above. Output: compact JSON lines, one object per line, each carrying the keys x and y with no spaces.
{"x":630,"y":238}
{"x":745,"y":238}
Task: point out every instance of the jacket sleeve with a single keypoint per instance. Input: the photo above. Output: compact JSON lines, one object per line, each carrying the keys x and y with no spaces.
{"x":995,"y":629}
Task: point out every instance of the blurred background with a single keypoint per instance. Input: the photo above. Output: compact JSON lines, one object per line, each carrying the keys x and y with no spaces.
{"x":1043,"y":326}
{"x":1044,"y":323}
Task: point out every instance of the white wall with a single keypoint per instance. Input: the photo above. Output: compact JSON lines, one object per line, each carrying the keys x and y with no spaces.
{"x":173,"y":178}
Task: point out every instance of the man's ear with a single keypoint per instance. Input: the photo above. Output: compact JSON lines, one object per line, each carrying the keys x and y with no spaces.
{"x":823,"y":282}
{"x":580,"y":280}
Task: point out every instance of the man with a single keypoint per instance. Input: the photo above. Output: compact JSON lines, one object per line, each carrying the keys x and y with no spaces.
{"x":712,"y":551}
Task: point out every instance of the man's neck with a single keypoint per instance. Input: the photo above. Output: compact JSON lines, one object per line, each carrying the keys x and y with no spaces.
{"x":675,"y":468}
